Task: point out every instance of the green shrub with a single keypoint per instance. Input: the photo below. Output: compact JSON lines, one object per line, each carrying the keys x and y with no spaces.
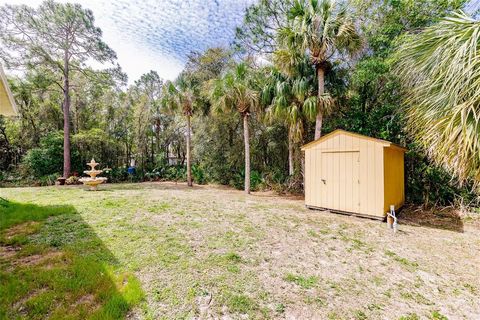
{"x":47,"y":159}
{"x":116,"y":175}
{"x":238,"y":181}
{"x":175,"y":173}
{"x":167,"y":173}
{"x":154,"y":175}
{"x":255,"y":180}
{"x":198,"y":175}
{"x":48,"y":180}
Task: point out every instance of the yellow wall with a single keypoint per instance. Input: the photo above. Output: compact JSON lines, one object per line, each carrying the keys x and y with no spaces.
{"x":368,"y":169}
{"x":394,"y":178}
{"x":5,"y":105}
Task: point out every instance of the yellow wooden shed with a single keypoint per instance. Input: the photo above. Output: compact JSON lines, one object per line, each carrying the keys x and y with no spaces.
{"x":7,"y":103}
{"x":351,"y":173}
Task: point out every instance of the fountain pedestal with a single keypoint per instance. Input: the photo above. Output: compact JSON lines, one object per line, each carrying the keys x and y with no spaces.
{"x":93,"y":181}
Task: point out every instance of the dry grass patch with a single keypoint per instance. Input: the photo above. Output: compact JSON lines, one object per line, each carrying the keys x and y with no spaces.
{"x":22,"y":229}
{"x":213,"y":252}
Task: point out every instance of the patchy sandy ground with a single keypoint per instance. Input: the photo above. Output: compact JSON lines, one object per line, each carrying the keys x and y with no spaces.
{"x":212,"y":252}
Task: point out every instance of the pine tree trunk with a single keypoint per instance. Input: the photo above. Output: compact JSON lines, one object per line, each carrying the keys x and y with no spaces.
{"x":321,"y":91}
{"x":247,"y":153}
{"x":291,"y":168}
{"x":189,"y":166}
{"x":66,"y":118}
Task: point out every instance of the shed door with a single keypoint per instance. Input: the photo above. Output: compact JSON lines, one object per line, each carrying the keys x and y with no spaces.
{"x":340,"y":180}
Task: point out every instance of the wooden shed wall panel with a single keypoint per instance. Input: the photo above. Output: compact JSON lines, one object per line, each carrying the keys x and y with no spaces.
{"x":306,"y":177}
{"x":367,"y":165}
{"x":379,"y":180}
{"x":5,"y":105}
{"x":324,"y":200}
{"x":318,"y":169}
{"x":394,"y":178}
{"x":309,"y":178}
{"x":340,"y":172}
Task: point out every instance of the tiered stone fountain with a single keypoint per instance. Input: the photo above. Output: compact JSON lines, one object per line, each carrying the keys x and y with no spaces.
{"x":93,"y":181}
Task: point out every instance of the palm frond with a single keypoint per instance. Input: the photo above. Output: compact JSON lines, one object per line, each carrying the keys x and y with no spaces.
{"x":322,"y":27}
{"x":440,"y":70}
{"x":310,"y":107}
{"x":234,"y":91}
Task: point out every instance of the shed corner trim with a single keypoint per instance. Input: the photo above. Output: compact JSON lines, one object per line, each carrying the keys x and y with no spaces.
{"x":3,"y":80}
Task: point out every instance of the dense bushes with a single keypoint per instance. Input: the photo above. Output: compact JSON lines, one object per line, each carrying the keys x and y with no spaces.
{"x":47,"y":159}
{"x":176,"y":173}
{"x":96,"y":143}
{"x":198,"y":175}
{"x":431,"y":185}
{"x":238,"y":180}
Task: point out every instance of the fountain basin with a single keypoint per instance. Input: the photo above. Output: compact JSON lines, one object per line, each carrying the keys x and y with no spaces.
{"x":93,"y":182}
{"x":93,"y":173}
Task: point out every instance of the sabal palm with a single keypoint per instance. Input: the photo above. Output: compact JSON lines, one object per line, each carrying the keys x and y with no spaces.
{"x":440,"y":69}
{"x":180,"y":96}
{"x":235,"y":91}
{"x":288,"y":98}
{"x":323,"y":29}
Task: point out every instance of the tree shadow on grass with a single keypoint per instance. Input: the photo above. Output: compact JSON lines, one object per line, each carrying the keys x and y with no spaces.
{"x":53,"y":265}
{"x":446,"y":218}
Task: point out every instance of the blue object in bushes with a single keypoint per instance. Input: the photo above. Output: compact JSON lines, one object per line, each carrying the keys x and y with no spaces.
{"x":131,"y":170}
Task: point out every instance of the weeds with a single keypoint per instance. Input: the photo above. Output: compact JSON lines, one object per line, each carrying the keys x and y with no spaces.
{"x":304,"y":282}
{"x":403,"y":261}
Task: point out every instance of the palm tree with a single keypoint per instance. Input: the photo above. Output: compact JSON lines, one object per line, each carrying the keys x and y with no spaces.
{"x":235,"y":91}
{"x":180,"y":96}
{"x":324,"y":30}
{"x":288,"y":98}
{"x":440,"y":70}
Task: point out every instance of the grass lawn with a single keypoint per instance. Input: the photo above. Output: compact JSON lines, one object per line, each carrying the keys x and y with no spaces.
{"x":163,"y":250}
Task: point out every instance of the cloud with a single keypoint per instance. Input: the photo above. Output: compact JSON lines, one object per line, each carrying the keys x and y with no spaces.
{"x":473,"y":6}
{"x":159,"y":34}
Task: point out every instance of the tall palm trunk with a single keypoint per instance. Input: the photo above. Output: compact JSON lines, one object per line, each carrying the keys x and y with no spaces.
{"x":157,"y":135}
{"x":189,"y":165}
{"x":290,"y":156}
{"x":66,"y":118}
{"x":247,"y":153}
{"x":321,"y":91}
